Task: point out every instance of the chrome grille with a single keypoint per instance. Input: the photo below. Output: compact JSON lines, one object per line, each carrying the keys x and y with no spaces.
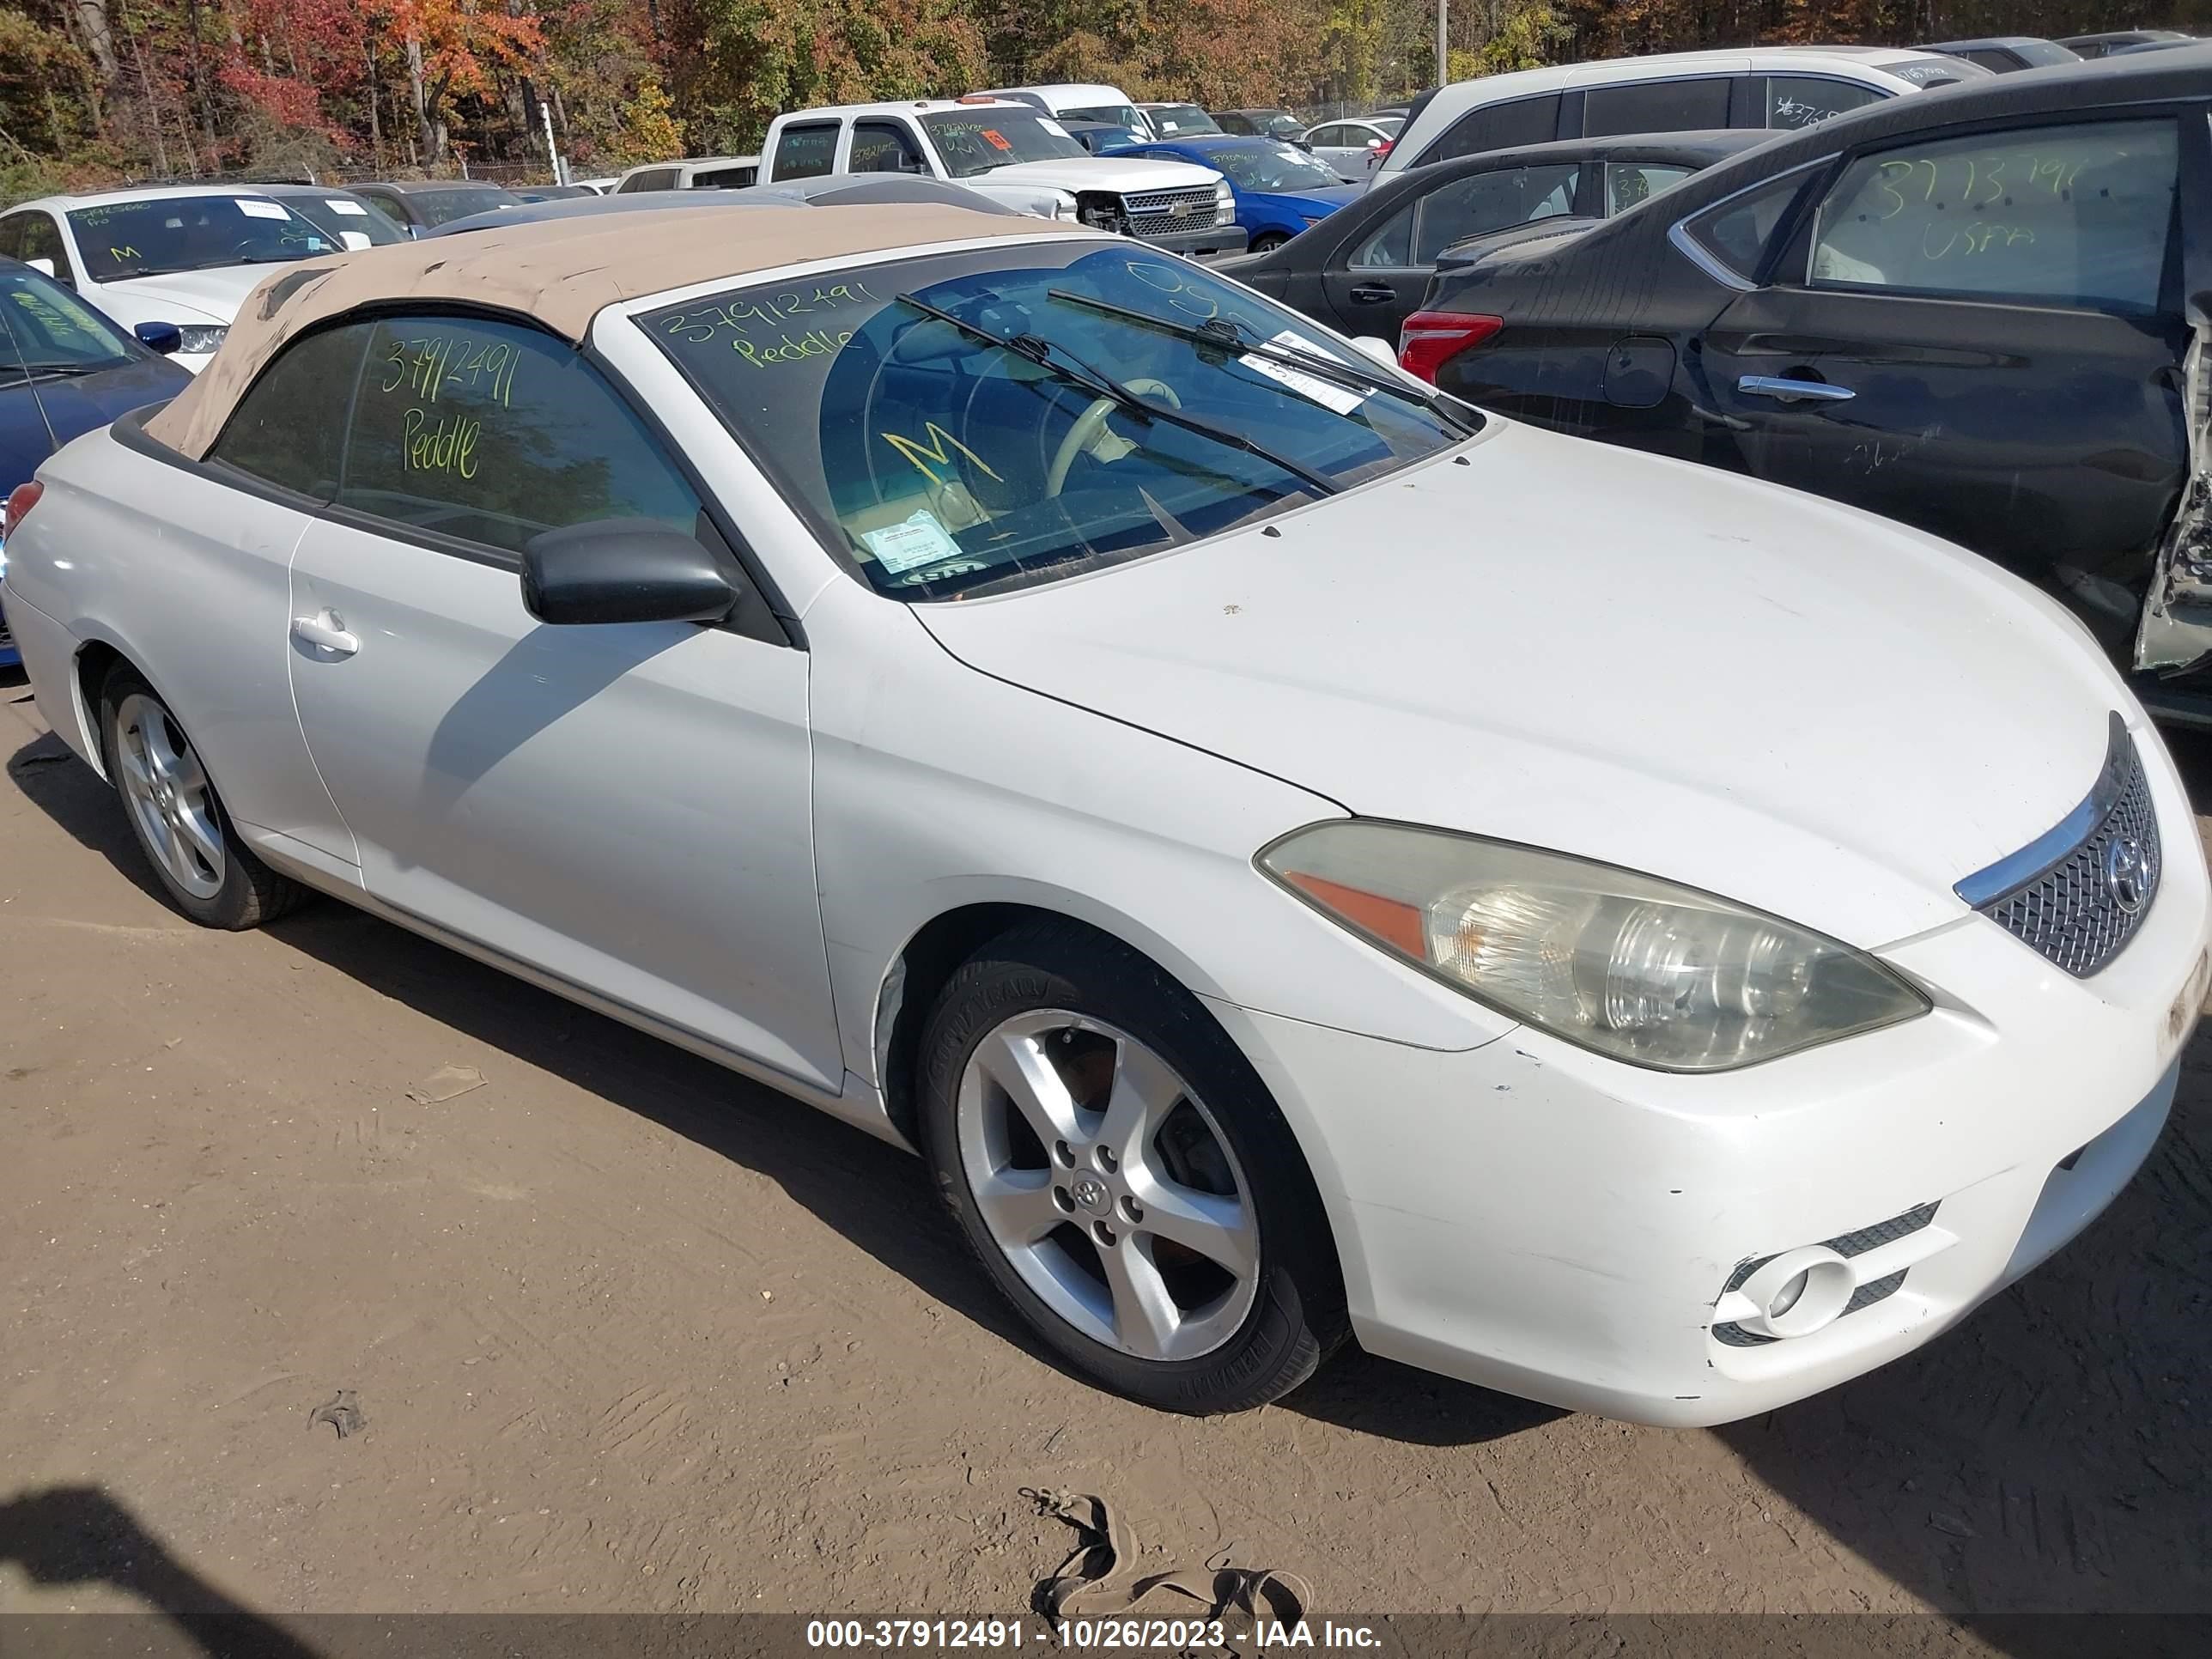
{"x":1158,"y":212}
{"x":2070,"y":904}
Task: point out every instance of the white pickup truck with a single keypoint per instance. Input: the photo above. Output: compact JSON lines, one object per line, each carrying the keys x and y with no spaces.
{"x":1014,"y":153}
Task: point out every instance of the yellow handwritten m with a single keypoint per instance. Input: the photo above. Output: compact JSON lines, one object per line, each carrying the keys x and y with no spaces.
{"x":938,"y":449}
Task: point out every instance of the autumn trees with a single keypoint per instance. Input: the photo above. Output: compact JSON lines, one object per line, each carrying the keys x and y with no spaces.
{"x":91,"y":91}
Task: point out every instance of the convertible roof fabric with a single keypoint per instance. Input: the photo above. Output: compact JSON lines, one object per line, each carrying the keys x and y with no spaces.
{"x":559,"y":272}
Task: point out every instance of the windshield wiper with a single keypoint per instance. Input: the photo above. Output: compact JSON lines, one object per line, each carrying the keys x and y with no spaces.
{"x":55,"y":371}
{"x":1076,"y":372}
{"x":1226,"y":333}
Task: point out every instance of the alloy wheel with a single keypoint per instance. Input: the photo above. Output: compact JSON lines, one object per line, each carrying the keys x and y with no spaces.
{"x":1108,"y":1185}
{"x":169,"y":795}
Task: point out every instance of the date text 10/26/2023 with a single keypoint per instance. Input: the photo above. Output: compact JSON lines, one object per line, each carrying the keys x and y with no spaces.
{"x":1119,"y":1634}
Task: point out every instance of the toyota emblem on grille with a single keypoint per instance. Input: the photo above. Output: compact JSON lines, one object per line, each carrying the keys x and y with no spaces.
{"x":2127,"y":873}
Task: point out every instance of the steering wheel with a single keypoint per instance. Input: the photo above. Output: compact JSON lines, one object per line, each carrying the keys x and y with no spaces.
{"x":1090,"y":423}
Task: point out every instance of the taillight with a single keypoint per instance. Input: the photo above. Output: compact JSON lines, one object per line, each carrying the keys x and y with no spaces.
{"x":1431,"y":338}
{"x":1383,"y":148}
{"x":21,"y":499}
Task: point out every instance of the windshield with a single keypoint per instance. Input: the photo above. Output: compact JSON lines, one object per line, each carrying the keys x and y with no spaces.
{"x":436,"y":207}
{"x":1277,"y":123}
{"x":189,"y":233}
{"x":1114,"y":115}
{"x":939,"y":465}
{"x":348,"y":220}
{"x":1180,"y":120}
{"x":1272,"y":167}
{"x":973,"y":143}
{"x":1928,"y":73}
{"x":48,"y":327}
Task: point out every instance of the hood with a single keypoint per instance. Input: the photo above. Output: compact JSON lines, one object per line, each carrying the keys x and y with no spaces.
{"x":74,"y":407}
{"x":1100,"y":173}
{"x":1792,"y":703}
{"x":1311,"y":204}
{"x":211,"y":296}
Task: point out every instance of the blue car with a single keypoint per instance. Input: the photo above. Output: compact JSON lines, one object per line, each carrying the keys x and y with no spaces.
{"x":1279,"y":189}
{"x":64,"y":369}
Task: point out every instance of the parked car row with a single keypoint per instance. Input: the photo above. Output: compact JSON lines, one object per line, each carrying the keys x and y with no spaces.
{"x":1301,"y":859}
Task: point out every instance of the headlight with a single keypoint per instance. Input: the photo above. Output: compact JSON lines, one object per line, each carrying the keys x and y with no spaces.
{"x":200,"y":338}
{"x":1631,"y":967}
{"x":1225,"y":204}
{"x":1063,"y":206}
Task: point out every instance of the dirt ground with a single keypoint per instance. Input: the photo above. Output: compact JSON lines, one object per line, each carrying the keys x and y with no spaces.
{"x":630,"y":1333}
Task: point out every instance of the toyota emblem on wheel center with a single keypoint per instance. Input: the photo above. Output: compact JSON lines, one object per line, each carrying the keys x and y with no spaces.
{"x":2127,"y":873}
{"x":1090,"y":1192}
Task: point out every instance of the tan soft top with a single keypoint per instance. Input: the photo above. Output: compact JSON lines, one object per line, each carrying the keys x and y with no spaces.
{"x":561,"y":271}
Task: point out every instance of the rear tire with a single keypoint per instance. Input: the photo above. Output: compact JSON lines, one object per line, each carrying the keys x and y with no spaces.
{"x":1123,"y":1175}
{"x":175,"y":815}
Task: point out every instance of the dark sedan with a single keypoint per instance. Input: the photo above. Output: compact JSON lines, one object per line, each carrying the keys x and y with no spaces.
{"x":64,"y":369}
{"x":422,"y":204}
{"x":1364,"y":267}
{"x":2008,"y":54}
{"x":1983,"y":311}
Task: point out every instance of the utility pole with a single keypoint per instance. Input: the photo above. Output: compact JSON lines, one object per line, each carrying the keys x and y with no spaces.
{"x":1443,"y":43}
{"x":552,"y":150}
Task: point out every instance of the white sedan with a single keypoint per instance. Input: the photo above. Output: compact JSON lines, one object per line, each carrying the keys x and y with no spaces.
{"x":1300,"y":859}
{"x":183,"y":255}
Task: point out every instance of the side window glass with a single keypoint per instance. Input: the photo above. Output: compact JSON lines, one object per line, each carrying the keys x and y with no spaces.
{"x":1499,"y":126}
{"x":290,"y":429}
{"x":1630,"y":184}
{"x":806,"y":152}
{"x":1738,"y":231}
{"x":1331,"y":135}
{"x":42,"y":240}
{"x":725,"y":178}
{"x":882,"y":146}
{"x":1795,"y":102}
{"x":1656,"y":106}
{"x":1492,"y":201}
{"x":2080,"y":216}
{"x":11,"y":235}
{"x":1392,"y":246}
{"x":492,"y":432}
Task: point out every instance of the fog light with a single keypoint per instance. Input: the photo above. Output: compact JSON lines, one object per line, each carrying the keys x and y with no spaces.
{"x":1798,"y":1292}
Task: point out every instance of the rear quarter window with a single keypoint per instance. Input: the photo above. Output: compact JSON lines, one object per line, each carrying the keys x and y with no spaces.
{"x":1497,"y":126}
{"x":806,"y":152}
{"x":1686,"y":106}
{"x":290,"y":429}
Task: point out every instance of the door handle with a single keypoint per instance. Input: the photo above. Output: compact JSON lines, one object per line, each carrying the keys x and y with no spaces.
{"x":1373,"y":293}
{"x":326,"y":633}
{"x":1794,"y":391}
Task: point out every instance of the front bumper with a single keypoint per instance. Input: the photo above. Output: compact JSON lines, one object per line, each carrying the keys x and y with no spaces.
{"x":1211,"y":239}
{"x":1532,"y":1218}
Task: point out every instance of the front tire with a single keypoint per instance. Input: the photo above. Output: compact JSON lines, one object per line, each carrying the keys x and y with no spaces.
{"x":1124,"y":1177}
{"x":1268,"y":241}
{"x":177,"y":817}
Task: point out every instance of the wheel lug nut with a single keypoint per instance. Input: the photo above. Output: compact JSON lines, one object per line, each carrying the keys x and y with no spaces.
{"x":1106,"y":1159}
{"x":1061,"y":1197}
{"x":1131,"y":1211}
{"x":1103,"y":1233}
{"x":1064,"y":1154}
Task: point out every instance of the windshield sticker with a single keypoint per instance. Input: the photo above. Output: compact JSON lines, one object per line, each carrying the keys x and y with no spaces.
{"x":253,"y":209}
{"x":354,"y":240}
{"x":996,"y":138}
{"x":1329,"y":395}
{"x":1052,"y":126}
{"x":921,"y":540}
{"x":337,"y":205}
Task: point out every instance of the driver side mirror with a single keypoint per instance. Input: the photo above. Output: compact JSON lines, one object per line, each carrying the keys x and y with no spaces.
{"x":45,"y":267}
{"x":623,"y":570}
{"x":164,"y":338}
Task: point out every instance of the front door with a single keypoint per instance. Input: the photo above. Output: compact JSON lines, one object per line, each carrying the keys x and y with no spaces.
{"x":1987,"y":342}
{"x":625,"y":807}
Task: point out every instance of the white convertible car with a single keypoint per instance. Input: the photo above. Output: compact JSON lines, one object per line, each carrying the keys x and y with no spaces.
{"x":1300,"y":859}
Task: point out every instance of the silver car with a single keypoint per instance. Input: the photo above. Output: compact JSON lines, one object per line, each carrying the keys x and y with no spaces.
{"x":1354,"y":149}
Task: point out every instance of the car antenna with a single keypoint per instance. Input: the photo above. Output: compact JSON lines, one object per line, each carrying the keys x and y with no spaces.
{"x":24,"y":363}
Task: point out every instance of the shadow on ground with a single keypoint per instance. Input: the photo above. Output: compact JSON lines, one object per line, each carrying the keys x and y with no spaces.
{"x":2049,"y":1454}
{"x":73,"y":1536}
